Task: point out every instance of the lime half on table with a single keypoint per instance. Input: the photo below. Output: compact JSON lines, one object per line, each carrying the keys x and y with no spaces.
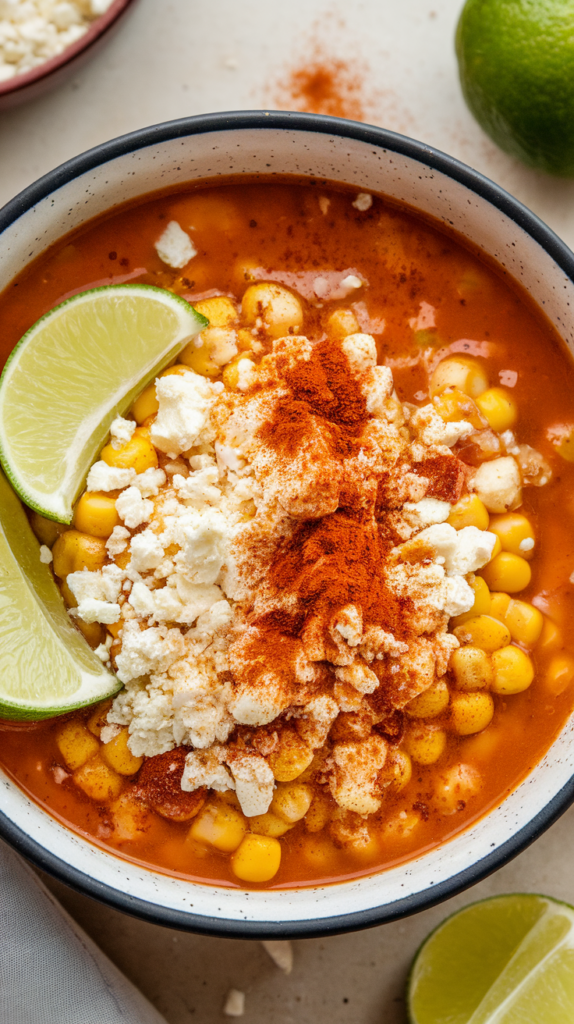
{"x":507,"y":960}
{"x":46,"y":666}
{"x":72,"y":373}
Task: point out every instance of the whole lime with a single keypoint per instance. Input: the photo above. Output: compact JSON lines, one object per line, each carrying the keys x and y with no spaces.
{"x":516,"y":63}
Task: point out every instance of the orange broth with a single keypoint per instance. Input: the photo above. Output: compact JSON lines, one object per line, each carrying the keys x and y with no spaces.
{"x":266,"y":230}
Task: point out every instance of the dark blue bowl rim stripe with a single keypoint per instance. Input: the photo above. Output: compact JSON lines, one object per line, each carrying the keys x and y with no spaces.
{"x":428,"y":157}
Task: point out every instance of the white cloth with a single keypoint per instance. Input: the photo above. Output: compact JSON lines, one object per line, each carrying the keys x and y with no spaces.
{"x":50,"y":971}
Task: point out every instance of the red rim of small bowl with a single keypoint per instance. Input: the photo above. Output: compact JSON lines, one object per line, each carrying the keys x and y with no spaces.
{"x":97,"y":28}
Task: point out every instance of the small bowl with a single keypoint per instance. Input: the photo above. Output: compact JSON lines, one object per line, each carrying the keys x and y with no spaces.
{"x":370,"y":159}
{"x":51,"y":73}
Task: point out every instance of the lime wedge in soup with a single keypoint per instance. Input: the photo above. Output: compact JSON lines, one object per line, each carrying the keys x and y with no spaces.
{"x":46,"y":666}
{"x":72,"y":373}
{"x":506,"y":960}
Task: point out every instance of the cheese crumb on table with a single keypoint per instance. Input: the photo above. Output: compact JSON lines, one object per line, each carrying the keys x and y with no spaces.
{"x":234,"y":1003}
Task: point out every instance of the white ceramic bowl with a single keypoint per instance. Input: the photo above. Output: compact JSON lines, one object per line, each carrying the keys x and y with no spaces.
{"x":370,"y":159}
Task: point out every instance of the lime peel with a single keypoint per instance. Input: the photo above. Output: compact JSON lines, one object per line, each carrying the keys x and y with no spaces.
{"x":506,"y":960}
{"x":80,"y":365}
{"x":46,"y":666}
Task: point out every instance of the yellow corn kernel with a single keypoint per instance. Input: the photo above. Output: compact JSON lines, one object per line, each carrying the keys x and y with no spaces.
{"x":318,"y":851}
{"x":551,"y":636}
{"x":75,"y":743}
{"x":499,"y":604}
{"x":485,"y":632}
{"x":291,"y":801}
{"x":341,"y":323}
{"x":146,"y":405}
{"x":219,"y":310}
{"x":461,"y":372}
{"x":139,"y":453}
{"x":45,"y":530}
{"x":233,"y":371}
{"x":471,"y":712}
{"x":96,"y":514}
{"x":278,"y":309}
{"x":217,"y":346}
{"x":257,"y":859}
{"x":498,"y":406}
{"x":118,"y":755}
{"x":400,"y":768}
{"x":319,"y":813}
{"x":496,"y":549}
{"x":524,"y":621}
{"x":469,"y":511}
{"x":98,"y":781}
{"x":481,"y":604}
{"x":115,"y":628}
{"x":219,"y":825}
{"x":290,"y":758}
{"x":268,"y":825}
{"x":507,"y":572}
{"x":513,"y":671}
{"x":177,"y":370}
{"x":74,"y":551}
{"x":453,"y":405}
{"x":91,"y":631}
{"x":245,"y":340}
{"x":455,"y":786}
{"x":472,"y":668}
{"x":515,"y":533}
{"x":559,"y":673}
{"x":129,"y":817}
{"x":69,"y":599}
{"x":98,"y":717}
{"x":425,"y":742}
{"x":430,"y":703}
{"x":229,"y":797}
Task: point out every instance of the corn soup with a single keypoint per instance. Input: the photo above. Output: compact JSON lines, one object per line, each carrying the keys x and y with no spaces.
{"x":328,"y":552}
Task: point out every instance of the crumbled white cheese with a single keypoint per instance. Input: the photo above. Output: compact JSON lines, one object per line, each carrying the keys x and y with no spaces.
{"x":147,"y":650}
{"x":92,"y":610}
{"x":45,"y":554}
{"x":234,"y":1003}
{"x":117,"y":541}
{"x":361,"y":351}
{"x":378,"y":387}
{"x":184,"y":404}
{"x":102,"y":584}
{"x":146,"y":550}
{"x":363,"y":202}
{"x":149,"y":482}
{"x":206,"y":768}
{"x":175,"y":247}
{"x":498,"y":484}
{"x":459,"y":596}
{"x":121,"y":431}
{"x":427,"y":512}
{"x":281,"y":952}
{"x":202,"y":537}
{"x":109,"y":478}
{"x":431,"y":429}
{"x":34,"y":31}
{"x":460,"y":551}
{"x":132,"y":508}
{"x":246,"y":373}
{"x":359,"y":676}
{"x":254,"y":781}
{"x":527,"y":544}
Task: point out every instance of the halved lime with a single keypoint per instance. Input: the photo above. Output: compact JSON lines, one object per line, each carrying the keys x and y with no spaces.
{"x":46,"y":666}
{"x":506,"y":960}
{"x":71,"y":374}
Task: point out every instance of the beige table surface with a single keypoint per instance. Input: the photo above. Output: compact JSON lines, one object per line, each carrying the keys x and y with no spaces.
{"x":177,"y":57}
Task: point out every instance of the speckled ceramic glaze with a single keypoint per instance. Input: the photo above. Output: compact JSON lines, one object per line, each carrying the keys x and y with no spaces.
{"x":369,"y":159}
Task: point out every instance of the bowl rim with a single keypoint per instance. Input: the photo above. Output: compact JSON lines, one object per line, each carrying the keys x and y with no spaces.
{"x":486,"y":189}
{"x":96,"y":29}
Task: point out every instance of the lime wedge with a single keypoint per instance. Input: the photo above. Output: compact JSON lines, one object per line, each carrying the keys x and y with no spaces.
{"x":46,"y":666}
{"x":507,"y":960}
{"x":71,"y":374}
